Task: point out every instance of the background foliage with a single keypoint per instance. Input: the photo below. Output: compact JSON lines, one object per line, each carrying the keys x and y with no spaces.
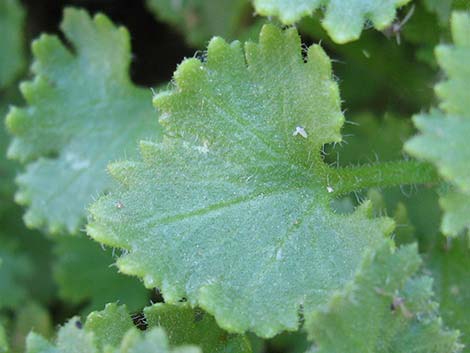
{"x":86,"y":97}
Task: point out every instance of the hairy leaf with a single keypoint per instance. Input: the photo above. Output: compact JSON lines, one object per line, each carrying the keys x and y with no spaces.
{"x":344,"y":19}
{"x":199,"y":20}
{"x":384,"y":309}
{"x":85,"y":273}
{"x":444,"y":134}
{"x":83,"y":111}
{"x":12,"y":58}
{"x":232,"y":209}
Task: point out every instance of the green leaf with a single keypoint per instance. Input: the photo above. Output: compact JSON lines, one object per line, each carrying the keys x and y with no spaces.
{"x":29,"y":316}
{"x":232,"y":210}
{"x":449,"y":266}
{"x":85,"y":273}
{"x":385,"y":309}
{"x":12,"y":56}
{"x":200,"y":20}
{"x":344,"y":19}
{"x":444,"y":134}
{"x":192,"y":326}
{"x":106,"y":330}
{"x":83,"y":111}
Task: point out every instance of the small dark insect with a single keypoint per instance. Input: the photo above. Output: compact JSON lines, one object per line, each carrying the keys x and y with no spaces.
{"x":140,"y":321}
{"x":78,"y":324}
{"x":394,"y":30}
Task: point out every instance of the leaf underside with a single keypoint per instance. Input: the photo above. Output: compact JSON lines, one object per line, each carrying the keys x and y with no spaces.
{"x":83,"y":112}
{"x":231,"y":210}
{"x":344,"y":19}
{"x":443,"y":138}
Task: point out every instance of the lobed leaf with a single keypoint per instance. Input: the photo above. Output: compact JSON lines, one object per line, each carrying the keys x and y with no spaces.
{"x":83,"y":111}
{"x":384,"y":309}
{"x":232,"y":209}
{"x":344,"y":19}
{"x":443,"y":134}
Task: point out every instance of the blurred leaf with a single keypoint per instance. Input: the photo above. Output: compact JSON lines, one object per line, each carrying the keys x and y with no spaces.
{"x":85,"y":273}
{"x":12,"y":56}
{"x":443,"y":138}
{"x":185,"y":325}
{"x":83,"y":112}
{"x":449,"y":264}
{"x":344,"y":19}
{"x":200,"y":20}
{"x":385,"y":309}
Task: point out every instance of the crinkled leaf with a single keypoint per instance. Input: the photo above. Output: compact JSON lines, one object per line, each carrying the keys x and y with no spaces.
{"x":232,"y":210}
{"x":200,"y":20}
{"x":105,"y":331}
{"x":344,"y":19}
{"x":85,"y":273}
{"x":449,"y":267}
{"x":83,"y":111}
{"x":444,"y":135}
{"x":12,"y":58}
{"x":384,"y":309}
{"x":185,"y":325}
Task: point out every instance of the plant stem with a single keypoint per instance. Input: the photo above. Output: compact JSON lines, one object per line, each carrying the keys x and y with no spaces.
{"x":345,"y":180}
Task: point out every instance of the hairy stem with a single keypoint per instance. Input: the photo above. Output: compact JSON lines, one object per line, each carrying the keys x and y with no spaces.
{"x":345,"y":180}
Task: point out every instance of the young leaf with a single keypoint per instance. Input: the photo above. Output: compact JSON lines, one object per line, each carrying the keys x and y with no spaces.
{"x":83,"y":112}
{"x":185,"y":325}
{"x":200,"y":20}
{"x":12,"y":58}
{"x":84,"y":273}
{"x":383,"y":310}
{"x":444,"y":134}
{"x":344,"y":19}
{"x":232,"y":209}
{"x":105,"y":330}
{"x":71,"y":339}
